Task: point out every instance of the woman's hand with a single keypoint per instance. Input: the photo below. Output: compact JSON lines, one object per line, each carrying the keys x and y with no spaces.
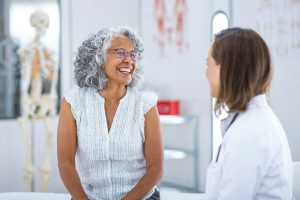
{"x":154,"y":156}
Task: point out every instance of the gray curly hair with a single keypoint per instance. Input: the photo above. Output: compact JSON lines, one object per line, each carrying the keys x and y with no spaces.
{"x":91,"y":57}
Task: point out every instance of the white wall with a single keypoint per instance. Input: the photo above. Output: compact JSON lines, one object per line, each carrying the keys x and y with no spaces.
{"x":175,"y":75}
{"x":275,"y":21}
{"x":90,"y":16}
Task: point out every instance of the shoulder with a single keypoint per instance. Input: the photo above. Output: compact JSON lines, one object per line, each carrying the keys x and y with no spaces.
{"x":148,"y":97}
{"x":78,"y":93}
{"x":258,"y":118}
{"x":259,"y":126}
{"x":26,"y":51}
{"x":149,"y":100}
{"x":73,"y":92}
{"x":145,"y":99}
{"x":76,"y":97}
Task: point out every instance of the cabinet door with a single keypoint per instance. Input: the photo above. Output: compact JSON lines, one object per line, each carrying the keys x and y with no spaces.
{"x":181,"y":152}
{"x":13,"y":156}
{"x":40,"y":144}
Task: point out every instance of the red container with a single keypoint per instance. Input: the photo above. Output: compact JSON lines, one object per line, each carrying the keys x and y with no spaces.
{"x":168,"y":107}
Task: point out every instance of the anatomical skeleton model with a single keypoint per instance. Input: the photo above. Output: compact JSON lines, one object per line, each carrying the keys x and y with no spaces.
{"x":38,"y":95}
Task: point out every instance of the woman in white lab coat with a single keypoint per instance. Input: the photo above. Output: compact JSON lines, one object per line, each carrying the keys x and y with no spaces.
{"x":254,"y":160}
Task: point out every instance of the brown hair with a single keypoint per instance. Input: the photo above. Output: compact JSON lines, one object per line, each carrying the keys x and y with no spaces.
{"x":246,"y":69}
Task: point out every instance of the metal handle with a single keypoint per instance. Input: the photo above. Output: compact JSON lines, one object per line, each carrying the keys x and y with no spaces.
{"x":3,"y":44}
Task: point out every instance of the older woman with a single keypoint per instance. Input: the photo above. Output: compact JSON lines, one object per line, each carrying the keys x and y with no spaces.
{"x":110,"y":127}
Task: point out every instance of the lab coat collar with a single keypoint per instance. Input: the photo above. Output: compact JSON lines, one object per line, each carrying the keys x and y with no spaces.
{"x":225,"y":123}
{"x":258,"y":101}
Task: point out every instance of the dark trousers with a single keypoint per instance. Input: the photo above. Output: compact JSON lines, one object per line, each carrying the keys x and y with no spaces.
{"x":155,"y":195}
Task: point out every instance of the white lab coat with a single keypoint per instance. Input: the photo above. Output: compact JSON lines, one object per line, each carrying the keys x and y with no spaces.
{"x":254,"y":161}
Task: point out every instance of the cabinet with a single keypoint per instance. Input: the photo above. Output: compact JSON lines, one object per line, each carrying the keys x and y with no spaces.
{"x":180,"y":135}
{"x":13,"y":156}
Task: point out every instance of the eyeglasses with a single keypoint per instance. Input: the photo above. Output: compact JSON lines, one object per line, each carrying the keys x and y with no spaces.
{"x":122,"y":53}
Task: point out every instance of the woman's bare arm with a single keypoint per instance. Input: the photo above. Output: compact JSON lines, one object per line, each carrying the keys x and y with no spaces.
{"x":154,"y":156}
{"x":66,"y":149}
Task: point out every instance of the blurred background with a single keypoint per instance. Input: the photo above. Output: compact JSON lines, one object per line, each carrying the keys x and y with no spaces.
{"x":177,"y":35}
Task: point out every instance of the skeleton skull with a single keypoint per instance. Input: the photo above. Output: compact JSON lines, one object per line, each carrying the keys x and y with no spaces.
{"x":40,"y":21}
